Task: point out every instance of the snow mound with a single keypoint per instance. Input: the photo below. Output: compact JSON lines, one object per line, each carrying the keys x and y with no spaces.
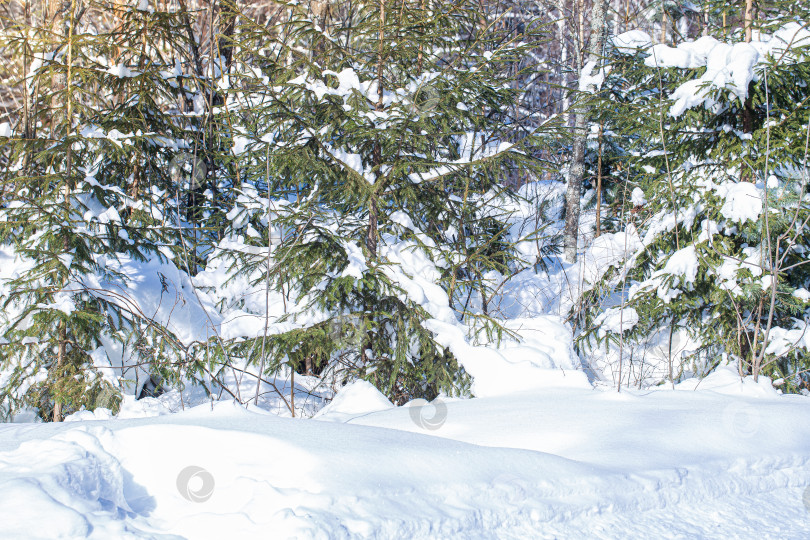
{"x":76,"y":483}
{"x":359,"y":397}
{"x":726,"y":380}
{"x":565,"y":463}
{"x":541,"y":355}
{"x":84,"y":416}
{"x":630,"y":42}
{"x":130,"y":408}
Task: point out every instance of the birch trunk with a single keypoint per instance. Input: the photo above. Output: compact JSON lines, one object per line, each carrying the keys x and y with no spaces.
{"x":562,"y":27}
{"x":581,"y":115}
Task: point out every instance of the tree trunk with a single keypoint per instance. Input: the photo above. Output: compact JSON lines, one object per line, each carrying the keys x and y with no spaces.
{"x":705,"y":31}
{"x":28,"y":104}
{"x":748,"y":105}
{"x":748,"y":19}
{"x":292,"y":391}
{"x":309,"y":369}
{"x":563,"y":66}
{"x":60,"y":364}
{"x":577,"y":169}
{"x":373,"y":211}
{"x":599,"y":184}
{"x":225,"y":42}
{"x":572,"y":194}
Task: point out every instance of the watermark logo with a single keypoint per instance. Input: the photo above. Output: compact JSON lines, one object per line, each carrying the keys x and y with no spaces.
{"x":669,"y":346}
{"x":425,"y":100}
{"x":428,"y":415}
{"x":187,"y":167}
{"x":742,"y":420}
{"x":195,"y":484}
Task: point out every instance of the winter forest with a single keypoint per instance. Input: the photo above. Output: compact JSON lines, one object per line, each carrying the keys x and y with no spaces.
{"x":269,"y":268}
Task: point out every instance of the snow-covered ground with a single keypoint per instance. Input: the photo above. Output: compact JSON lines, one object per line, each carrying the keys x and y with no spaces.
{"x":720,"y":459}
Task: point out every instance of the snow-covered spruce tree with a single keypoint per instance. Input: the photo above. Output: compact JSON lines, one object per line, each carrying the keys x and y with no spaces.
{"x":720,"y":260}
{"x":162,"y":178}
{"x":372,"y":135}
{"x":86,"y":200}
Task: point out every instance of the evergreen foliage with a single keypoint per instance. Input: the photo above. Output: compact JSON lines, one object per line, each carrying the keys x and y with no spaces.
{"x":323,"y":188}
{"x":378,"y":133}
{"x":88,"y":168}
{"x":723,"y":171}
